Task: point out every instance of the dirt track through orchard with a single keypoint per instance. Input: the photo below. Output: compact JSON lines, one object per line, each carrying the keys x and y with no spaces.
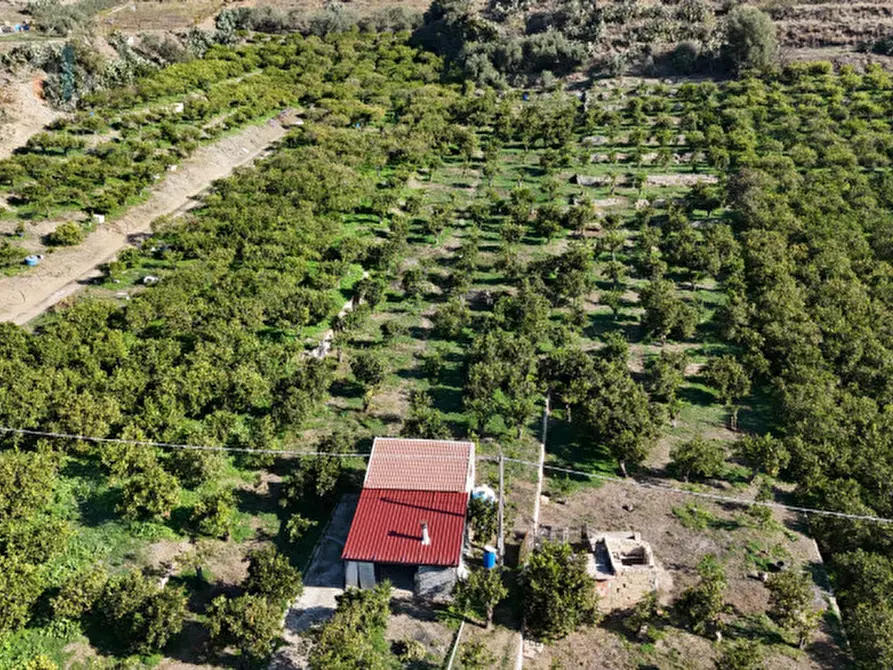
{"x":63,"y":272}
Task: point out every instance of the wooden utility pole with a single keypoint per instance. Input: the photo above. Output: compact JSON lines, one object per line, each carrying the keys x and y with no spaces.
{"x":500,"y":535}
{"x":542,"y":471}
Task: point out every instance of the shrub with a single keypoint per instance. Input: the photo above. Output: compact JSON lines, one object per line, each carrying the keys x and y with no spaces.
{"x":66,"y":235}
{"x":751,"y":42}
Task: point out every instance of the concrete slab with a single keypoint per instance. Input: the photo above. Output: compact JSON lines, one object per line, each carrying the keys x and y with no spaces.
{"x":323,"y":582}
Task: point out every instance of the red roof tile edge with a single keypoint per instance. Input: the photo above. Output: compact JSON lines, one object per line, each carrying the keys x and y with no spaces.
{"x":420,"y":465}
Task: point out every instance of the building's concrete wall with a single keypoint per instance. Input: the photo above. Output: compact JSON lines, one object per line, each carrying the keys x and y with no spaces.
{"x":366,"y":572}
{"x":351,"y":575}
{"x":435,"y":583}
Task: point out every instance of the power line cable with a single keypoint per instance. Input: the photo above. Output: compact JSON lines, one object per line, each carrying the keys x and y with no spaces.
{"x":206,"y":447}
{"x":628,"y":481}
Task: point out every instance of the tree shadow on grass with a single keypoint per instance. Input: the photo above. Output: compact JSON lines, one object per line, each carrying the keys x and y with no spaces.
{"x":447,"y":399}
{"x":601,"y":323}
{"x":695,"y":395}
{"x":345,"y":388}
{"x":413,"y":372}
{"x":253,"y":502}
{"x":758,"y":414}
{"x":100,"y":508}
{"x":754,"y":627}
{"x":568,"y":445}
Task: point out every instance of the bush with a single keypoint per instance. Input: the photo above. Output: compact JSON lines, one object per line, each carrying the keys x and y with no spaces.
{"x":751,"y":42}
{"x":66,"y":235}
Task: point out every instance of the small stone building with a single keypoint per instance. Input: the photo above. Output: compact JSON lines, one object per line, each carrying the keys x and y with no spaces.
{"x":410,"y":518}
{"x":623,"y":567}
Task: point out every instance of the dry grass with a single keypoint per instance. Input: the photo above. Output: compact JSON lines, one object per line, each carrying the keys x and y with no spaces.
{"x":678,"y":549}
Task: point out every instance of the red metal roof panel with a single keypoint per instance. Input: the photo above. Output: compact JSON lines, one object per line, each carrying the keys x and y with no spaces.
{"x":386,"y":527}
{"x":420,"y":465}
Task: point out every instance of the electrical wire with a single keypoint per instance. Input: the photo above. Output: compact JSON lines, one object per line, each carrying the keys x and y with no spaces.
{"x":625,"y":481}
{"x":629,"y":481}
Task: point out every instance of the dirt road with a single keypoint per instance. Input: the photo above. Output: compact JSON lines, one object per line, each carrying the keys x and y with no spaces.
{"x":63,"y":272}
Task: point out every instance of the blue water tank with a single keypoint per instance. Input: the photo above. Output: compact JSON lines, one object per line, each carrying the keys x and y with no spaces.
{"x":489,"y":558}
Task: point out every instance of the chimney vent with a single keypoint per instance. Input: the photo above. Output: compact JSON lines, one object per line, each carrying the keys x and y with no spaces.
{"x":426,"y":539}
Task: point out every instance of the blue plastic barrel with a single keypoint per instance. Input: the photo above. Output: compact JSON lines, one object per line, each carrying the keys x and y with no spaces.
{"x":489,"y":558}
{"x":31,"y":261}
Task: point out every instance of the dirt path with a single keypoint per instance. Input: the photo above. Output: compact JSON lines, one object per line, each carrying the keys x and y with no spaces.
{"x":63,"y":272}
{"x":325,"y":345}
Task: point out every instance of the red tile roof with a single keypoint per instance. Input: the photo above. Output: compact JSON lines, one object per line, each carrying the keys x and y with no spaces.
{"x":420,"y":465}
{"x":387,"y":527}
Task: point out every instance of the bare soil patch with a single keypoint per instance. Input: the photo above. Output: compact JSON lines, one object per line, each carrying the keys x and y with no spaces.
{"x":24,"y":111}
{"x":678,"y":549}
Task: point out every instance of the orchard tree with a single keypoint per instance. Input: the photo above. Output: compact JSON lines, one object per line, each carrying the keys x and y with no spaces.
{"x":424,"y":420}
{"x":475,"y":655}
{"x":698,"y":458}
{"x":665,"y":312}
{"x":297,"y":526}
{"x":214,"y":514}
{"x":741,"y":655}
{"x":27,"y":481}
{"x":354,"y":636}
{"x":619,"y":414}
{"x":369,"y":289}
{"x":79,"y":593}
{"x":643,"y":615}
{"x":763,"y":453}
{"x":558,"y":594}
{"x":791,"y":604}
{"x":272,"y":576}
{"x":870,"y":632}
{"x":152,"y":494}
{"x":732,"y":382}
{"x":482,"y":515}
{"x":369,"y":369}
{"x":250,"y":623}
{"x":316,"y":478}
{"x":666,"y":374}
{"x":143,"y":615}
{"x":481,"y":592}
{"x":20,"y":587}
{"x":702,"y":605}
{"x":451,"y":318}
